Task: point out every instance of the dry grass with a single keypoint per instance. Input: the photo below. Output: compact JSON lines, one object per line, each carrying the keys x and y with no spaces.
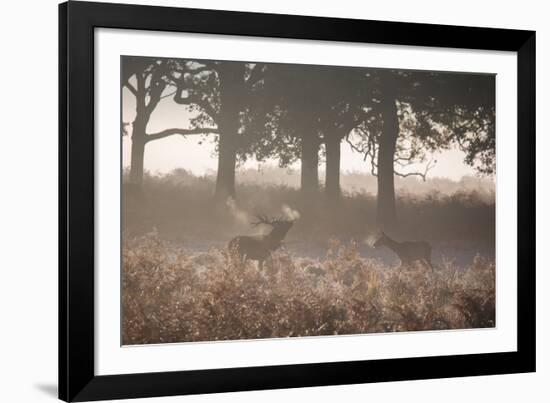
{"x":180,"y":205}
{"x":173,"y":295}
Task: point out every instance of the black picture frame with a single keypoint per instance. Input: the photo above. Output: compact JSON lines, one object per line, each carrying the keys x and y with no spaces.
{"x":77,"y":379}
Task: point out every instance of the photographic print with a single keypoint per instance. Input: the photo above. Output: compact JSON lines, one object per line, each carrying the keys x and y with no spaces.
{"x":268,"y":200}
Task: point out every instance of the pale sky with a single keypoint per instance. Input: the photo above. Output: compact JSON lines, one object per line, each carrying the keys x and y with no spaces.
{"x":163,"y":156}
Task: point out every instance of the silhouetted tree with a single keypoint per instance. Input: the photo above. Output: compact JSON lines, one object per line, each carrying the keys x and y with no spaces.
{"x":218,"y":93}
{"x":341,"y":111}
{"x":150,"y":80}
{"x":467,"y":109}
{"x":304,"y":107}
{"x":420,"y":112}
{"x":287,"y":121}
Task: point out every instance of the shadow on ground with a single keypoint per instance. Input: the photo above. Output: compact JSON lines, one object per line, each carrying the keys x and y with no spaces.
{"x":49,"y":389}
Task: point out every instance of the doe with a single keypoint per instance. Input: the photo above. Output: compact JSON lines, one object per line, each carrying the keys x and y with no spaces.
{"x":409,"y":251}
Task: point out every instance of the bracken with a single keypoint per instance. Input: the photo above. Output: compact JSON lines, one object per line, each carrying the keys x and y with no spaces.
{"x":170,"y":294}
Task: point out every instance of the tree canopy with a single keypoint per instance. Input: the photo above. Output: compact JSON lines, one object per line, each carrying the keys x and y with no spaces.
{"x":394,"y":118}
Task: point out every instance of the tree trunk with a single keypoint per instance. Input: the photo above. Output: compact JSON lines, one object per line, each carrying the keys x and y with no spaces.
{"x":138,"y":152}
{"x":386,"y":216}
{"x":332,"y":173}
{"x":227,"y":160}
{"x":139,"y":133}
{"x":231,"y":76}
{"x":310,"y":164}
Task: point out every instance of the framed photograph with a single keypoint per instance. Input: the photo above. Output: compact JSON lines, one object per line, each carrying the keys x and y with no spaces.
{"x":256,"y":201}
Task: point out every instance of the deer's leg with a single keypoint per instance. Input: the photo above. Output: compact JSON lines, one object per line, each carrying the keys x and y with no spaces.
{"x":428,"y":262}
{"x":402,"y":266}
{"x":271,"y":267}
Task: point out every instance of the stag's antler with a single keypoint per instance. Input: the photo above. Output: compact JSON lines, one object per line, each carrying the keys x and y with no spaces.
{"x":262,"y":219}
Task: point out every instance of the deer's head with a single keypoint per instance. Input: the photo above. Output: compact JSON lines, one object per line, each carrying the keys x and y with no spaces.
{"x":280,"y":226}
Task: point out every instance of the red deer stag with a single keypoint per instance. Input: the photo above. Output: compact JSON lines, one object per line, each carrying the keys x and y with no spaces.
{"x":259,"y":247}
{"x":408,"y":252}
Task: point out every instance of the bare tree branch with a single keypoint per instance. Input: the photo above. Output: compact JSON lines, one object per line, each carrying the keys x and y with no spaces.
{"x":131,"y":88}
{"x":182,"y":132}
{"x":167,"y":95}
{"x":353,"y":146}
{"x":423,"y":175}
